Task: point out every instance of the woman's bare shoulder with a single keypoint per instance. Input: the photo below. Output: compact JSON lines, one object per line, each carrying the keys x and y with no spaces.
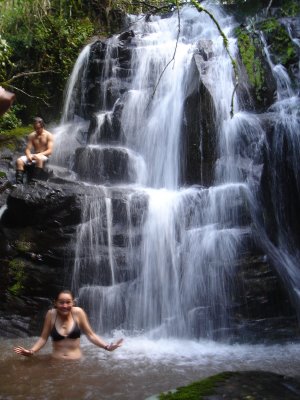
{"x":79,"y":314}
{"x":51,"y":311}
{"x":50,"y":314}
{"x":78,"y":310}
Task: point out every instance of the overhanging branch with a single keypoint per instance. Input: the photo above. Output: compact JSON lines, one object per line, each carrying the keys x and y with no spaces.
{"x":29,"y":73}
{"x":8,"y":83}
{"x":29,"y":95}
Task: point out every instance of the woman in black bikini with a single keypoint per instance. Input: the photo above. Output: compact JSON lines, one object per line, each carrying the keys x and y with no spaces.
{"x":64,"y":324}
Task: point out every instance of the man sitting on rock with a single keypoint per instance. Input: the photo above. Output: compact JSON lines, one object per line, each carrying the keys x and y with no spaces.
{"x":41,"y":141}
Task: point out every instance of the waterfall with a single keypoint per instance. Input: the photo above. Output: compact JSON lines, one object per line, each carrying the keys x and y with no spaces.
{"x":75,"y":86}
{"x":152,"y":256}
{"x":283,"y":154}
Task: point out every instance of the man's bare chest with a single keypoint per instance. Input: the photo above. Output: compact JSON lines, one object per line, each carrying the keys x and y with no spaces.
{"x":40,"y":141}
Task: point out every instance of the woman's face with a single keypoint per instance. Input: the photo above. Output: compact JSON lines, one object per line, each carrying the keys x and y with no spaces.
{"x":64,"y":303}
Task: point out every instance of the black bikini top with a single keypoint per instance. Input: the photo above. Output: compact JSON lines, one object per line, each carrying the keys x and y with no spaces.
{"x":74,"y":334}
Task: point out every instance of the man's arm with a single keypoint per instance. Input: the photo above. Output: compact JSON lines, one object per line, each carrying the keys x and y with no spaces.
{"x":49,"y":149}
{"x":29,"y":147}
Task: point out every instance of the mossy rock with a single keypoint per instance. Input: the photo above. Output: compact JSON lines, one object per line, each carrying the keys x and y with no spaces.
{"x":252,"y":61}
{"x":260,"y":78}
{"x":245,"y":385}
{"x":196,"y":390}
{"x":281,"y":47}
{"x":18,"y":276}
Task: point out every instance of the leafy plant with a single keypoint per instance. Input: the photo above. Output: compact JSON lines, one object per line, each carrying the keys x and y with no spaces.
{"x":17,"y":273}
{"x":5,"y":58}
{"x":10,"y":120}
{"x":44,"y":40}
{"x":281,"y":46}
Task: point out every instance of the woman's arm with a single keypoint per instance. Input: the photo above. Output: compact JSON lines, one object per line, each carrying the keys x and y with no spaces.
{"x":41,"y":340}
{"x":91,"y":335}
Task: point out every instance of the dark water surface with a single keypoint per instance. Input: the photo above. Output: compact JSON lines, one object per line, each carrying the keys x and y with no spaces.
{"x":139,"y":369}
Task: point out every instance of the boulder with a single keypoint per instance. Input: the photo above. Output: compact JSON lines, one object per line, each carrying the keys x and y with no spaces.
{"x":198,"y":136}
{"x":104,"y":165}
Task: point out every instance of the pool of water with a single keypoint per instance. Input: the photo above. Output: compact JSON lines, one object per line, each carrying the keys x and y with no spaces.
{"x":138,"y":370}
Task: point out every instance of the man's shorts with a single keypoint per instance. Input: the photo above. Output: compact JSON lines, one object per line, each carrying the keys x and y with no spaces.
{"x":26,"y":161}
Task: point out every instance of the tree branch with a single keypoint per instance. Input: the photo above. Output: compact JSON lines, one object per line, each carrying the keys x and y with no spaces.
{"x":27,"y":94}
{"x":21,"y":74}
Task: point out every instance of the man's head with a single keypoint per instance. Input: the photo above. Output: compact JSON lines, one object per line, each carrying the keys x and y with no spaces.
{"x":38,"y":124}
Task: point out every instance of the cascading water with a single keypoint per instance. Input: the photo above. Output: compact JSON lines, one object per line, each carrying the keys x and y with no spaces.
{"x":152,"y":256}
{"x":185,"y":215}
{"x":283,"y":157}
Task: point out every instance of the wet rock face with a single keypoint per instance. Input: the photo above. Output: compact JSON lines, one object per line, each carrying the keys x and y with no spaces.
{"x":262,"y":309}
{"x":38,"y":234}
{"x":36,"y":228}
{"x":198,"y":136}
{"x":280,"y":191}
{"x":116,"y":79}
{"x":103,"y":165}
{"x":109,"y":130}
{"x":257,"y":86}
{"x":38,"y":204}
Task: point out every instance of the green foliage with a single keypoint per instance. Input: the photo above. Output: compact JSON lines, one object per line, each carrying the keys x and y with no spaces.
{"x":10,"y":119}
{"x":248,"y":51}
{"x":11,"y":139}
{"x":44,"y":37}
{"x":23,"y":246}
{"x":291,"y":8}
{"x":16,"y":133}
{"x":17,"y":274}
{"x":5,"y":58}
{"x":57,"y":42}
{"x":196,"y":390}
{"x":281,"y":48}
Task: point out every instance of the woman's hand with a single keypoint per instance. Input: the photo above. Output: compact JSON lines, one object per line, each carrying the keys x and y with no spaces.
{"x":23,"y":352}
{"x":114,"y":346}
